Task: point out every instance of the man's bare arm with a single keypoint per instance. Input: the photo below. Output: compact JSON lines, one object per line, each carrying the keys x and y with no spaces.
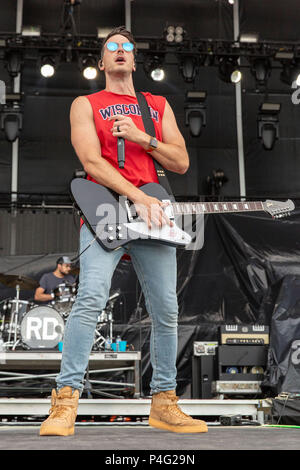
{"x":41,"y":296}
{"x":87,"y":147}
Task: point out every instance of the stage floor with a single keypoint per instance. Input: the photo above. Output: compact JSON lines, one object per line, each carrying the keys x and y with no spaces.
{"x":114,"y":438}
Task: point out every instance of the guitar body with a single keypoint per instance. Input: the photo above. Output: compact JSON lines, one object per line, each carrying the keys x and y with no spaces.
{"x":112,"y":219}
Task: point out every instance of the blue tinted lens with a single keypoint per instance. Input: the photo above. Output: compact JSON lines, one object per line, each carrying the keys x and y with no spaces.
{"x":127,"y":46}
{"x":112,"y":46}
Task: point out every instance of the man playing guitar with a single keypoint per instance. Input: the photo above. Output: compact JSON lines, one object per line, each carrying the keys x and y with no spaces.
{"x":97,"y":120}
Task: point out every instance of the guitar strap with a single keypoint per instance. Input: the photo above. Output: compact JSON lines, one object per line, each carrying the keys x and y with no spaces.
{"x":149,"y":128}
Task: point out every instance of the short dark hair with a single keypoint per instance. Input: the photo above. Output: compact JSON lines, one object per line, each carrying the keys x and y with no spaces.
{"x":119,"y":30}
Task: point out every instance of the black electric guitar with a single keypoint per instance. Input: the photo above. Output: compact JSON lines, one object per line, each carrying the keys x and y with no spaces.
{"x":113,"y":219}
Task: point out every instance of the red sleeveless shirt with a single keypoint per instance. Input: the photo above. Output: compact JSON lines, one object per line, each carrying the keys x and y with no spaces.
{"x":139,"y":167}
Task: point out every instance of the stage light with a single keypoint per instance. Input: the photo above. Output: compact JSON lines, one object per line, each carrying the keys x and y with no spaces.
{"x":249,"y":38}
{"x":88,"y":66}
{"x":48,"y":66}
{"x":158,"y":74}
{"x":291,"y":73}
{"x":236,"y":76}
{"x":188,"y":68}
{"x":90,"y":73}
{"x":229,"y":70}
{"x":179,"y":34}
{"x":102,"y":32}
{"x":268,"y":124}
{"x":195,"y":112}
{"x":13,"y":63}
{"x":33,"y":31}
{"x":11,"y":122}
{"x":153,"y":67}
{"x":261,"y":70}
{"x":174,"y":34}
{"x":170,"y":34}
{"x":231,"y":2}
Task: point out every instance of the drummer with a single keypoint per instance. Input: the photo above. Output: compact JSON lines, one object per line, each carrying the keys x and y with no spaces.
{"x":49,"y":281}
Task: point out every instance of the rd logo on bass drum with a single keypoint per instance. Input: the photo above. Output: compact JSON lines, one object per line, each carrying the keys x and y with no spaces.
{"x":42,"y":327}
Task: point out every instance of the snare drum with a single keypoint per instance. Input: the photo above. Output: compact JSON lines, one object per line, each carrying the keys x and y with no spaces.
{"x":65,"y":295}
{"x":65,"y":292}
{"x":42,"y":327}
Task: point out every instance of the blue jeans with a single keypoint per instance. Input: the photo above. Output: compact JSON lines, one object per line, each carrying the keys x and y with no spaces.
{"x":155,"y":266}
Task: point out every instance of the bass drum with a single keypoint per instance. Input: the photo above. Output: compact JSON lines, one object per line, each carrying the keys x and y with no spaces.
{"x":42,"y":328}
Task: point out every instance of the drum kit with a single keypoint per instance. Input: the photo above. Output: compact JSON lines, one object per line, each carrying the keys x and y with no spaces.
{"x":27,"y":325}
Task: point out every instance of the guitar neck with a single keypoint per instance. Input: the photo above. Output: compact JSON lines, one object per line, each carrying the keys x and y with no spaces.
{"x":216,"y":207}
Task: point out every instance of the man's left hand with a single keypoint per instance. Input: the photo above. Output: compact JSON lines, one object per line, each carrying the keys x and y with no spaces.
{"x":125,"y":127}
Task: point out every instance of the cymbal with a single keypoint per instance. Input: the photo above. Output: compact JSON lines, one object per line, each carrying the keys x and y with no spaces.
{"x":12,"y":280}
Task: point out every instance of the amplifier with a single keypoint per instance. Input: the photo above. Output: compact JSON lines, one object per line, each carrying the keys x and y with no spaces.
{"x":244,"y":334}
{"x":241,"y":363}
{"x":203,"y":369}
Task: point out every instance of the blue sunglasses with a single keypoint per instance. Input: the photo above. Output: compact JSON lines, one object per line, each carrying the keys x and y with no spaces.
{"x":113,"y":46}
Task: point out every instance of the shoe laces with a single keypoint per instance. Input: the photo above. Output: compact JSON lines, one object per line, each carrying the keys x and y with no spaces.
{"x":59,"y":411}
{"x":175,"y":409}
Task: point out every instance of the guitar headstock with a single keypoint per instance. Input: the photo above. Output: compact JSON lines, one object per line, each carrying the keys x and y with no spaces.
{"x":278,"y":209}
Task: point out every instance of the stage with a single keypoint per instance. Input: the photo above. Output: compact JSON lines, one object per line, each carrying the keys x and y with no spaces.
{"x":142,"y":437}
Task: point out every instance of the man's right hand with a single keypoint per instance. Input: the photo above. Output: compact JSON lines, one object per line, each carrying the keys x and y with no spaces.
{"x":151,"y":210}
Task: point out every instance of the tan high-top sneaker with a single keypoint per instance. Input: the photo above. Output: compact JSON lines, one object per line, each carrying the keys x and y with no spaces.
{"x":63,"y":413}
{"x":166,"y":414}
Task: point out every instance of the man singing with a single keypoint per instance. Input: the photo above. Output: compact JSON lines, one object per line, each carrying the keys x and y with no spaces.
{"x":97,"y":120}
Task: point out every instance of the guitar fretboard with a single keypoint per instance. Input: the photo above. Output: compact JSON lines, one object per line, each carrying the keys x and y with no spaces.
{"x":216,"y":207}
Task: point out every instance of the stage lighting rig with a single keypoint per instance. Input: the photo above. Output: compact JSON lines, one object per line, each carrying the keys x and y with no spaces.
{"x":229,"y":70}
{"x":268,"y":124}
{"x":195,"y":112}
{"x":153,"y":67}
{"x":11,"y":121}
